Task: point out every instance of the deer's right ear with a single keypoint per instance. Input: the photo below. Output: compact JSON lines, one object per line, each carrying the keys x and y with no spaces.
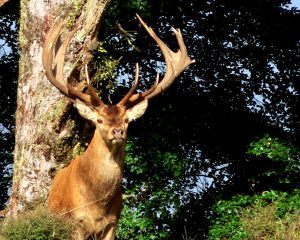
{"x":137,"y":110}
{"x":85,"y":111}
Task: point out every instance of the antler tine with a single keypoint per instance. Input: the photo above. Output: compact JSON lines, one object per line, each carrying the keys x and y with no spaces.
{"x":125,"y":99}
{"x":136,"y":98}
{"x":95,"y":100}
{"x":48,"y":58}
{"x":176,"y":62}
{"x":154,"y":86}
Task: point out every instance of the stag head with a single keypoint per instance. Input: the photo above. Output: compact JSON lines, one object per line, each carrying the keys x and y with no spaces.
{"x":111,"y":120}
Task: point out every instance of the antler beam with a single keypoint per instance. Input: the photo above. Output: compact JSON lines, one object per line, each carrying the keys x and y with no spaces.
{"x":176,"y":62}
{"x":51,"y":56}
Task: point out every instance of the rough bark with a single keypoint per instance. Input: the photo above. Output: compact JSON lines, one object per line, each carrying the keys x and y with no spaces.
{"x":44,"y":120}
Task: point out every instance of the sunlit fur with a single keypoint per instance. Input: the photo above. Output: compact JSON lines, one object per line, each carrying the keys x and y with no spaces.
{"x":89,"y":189}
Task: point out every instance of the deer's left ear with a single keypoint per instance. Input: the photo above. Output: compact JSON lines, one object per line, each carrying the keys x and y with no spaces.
{"x":137,"y":110}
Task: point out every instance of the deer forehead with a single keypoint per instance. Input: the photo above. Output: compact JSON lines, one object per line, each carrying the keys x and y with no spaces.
{"x":113,"y":113}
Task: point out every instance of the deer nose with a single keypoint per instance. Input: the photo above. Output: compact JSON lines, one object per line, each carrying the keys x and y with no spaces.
{"x":118,"y":132}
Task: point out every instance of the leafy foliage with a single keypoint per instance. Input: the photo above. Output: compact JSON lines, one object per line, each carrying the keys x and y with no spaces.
{"x":105,"y":73}
{"x":153,"y":193}
{"x":244,"y":84}
{"x":8,"y":84}
{"x":272,"y":148}
{"x":281,"y":154}
{"x":137,"y":224}
{"x":270,"y":215}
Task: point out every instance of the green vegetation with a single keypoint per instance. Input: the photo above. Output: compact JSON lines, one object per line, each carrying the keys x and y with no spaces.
{"x":39,"y":224}
{"x":105,"y":65}
{"x":273,"y":148}
{"x":279,"y":154}
{"x":135,"y":224}
{"x":270,"y":215}
{"x":8,"y":85}
{"x":152,"y":198}
{"x":74,"y":11}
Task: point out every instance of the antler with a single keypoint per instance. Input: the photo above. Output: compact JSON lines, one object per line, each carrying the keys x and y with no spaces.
{"x":59,"y":59}
{"x":126,"y":99}
{"x":176,"y":62}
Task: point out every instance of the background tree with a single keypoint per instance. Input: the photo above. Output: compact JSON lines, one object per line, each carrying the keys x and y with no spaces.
{"x":243,"y":86}
{"x":8,"y":81}
{"x":45,"y":135}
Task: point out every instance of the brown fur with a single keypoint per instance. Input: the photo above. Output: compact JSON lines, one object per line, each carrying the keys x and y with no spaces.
{"x":89,"y":189}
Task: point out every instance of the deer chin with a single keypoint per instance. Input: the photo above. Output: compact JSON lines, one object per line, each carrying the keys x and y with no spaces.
{"x":117,"y":141}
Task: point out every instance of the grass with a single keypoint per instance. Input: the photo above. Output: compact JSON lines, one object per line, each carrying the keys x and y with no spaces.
{"x":39,"y":224}
{"x":262,"y":223}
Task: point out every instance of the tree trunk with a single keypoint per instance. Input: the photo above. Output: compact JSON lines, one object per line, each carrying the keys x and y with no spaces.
{"x":45,"y":122}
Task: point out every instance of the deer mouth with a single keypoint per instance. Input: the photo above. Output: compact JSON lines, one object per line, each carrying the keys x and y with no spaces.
{"x":117,"y":140}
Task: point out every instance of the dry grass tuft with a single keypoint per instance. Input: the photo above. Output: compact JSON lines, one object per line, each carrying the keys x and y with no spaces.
{"x":39,"y":224}
{"x":261,"y":223}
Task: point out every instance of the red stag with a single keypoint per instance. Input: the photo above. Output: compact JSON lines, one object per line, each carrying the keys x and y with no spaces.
{"x":89,"y":189}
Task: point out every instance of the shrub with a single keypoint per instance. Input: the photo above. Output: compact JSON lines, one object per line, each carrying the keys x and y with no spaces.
{"x":263,"y":223}
{"x":270,"y":215}
{"x":37,"y":225}
{"x":276,"y":154}
{"x":136,"y":225}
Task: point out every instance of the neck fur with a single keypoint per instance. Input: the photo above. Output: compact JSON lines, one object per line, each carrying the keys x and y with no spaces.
{"x":100,"y":152}
{"x":101,"y":167}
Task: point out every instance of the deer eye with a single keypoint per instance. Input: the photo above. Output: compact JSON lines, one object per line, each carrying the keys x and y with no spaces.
{"x":126,"y":120}
{"x":100,"y":121}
